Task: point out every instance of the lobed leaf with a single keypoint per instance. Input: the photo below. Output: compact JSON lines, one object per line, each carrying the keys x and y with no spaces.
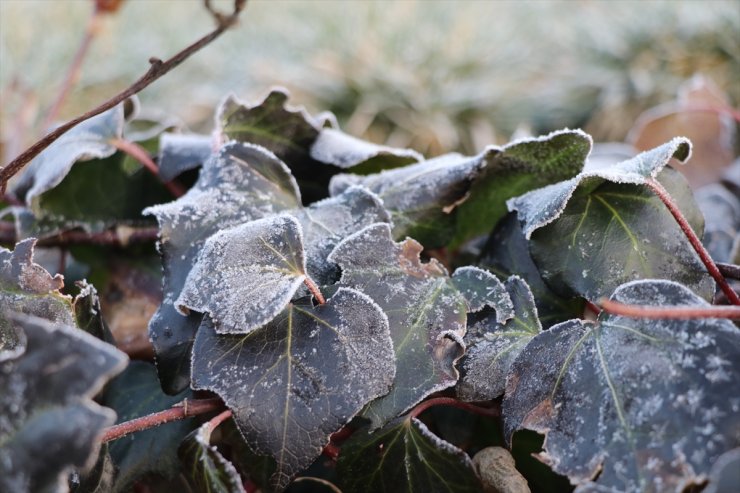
{"x":301,"y":377}
{"x":48,"y":422}
{"x":404,"y":457}
{"x":645,"y":405}
{"x":480,"y":289}
{"x":182,"y":152}
{"x":493,"y":345}
{"x":426,"y":314}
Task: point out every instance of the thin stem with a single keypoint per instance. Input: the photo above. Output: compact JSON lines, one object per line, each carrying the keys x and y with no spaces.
{"x":73,"y":72}
{"x":185,"y":409}
{"x":678,"y":313}
{"x":157,"y":69}
{"x":121,"y":236}
{"x":664,"y":196}
{"x":491,"y":412}
{"x":730,"y":271}
{"x":314,"y":289}
{"x":142,"y":156}
{"x":213,"y":423}
{"x":593,"y":307}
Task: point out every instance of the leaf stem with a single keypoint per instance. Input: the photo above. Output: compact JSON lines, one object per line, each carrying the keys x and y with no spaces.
{"x":677,"y":313}
{"x":220,"y":418}
{"x":491,"y":412}
{"x":120,"y":236}
{"x":664,"y":196}
{"x":183,"y":410}
{"x":730,"y":271}
{"x":157,"y":69}
{"x":142,"y":156}
{"x":314,"y":289}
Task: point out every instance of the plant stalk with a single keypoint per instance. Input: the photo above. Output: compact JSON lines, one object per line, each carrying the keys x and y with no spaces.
{"x":676,"y":313}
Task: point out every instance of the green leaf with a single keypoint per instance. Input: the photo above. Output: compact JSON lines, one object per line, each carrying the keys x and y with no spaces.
{"x":49,"y":423}
{"x":645,"y":405}
{"x":26,"y":287}
{"x":421,"y":197}
{"x":515,"y":169}
{"x":182,"y":152}
{"x":492,"y":345}
{"x":507,"y":253}
{"x":135,"y":393}
{"x":239,"y":184}
{"x":246,"y":275}
{"x":208,"y":470}
{"x":426,"y":314}
{"x":404,"y":457}
{"x":301,"y":377}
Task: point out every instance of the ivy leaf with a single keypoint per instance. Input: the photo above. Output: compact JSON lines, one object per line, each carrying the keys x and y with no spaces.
{"x":182,"y":152}
{"x":206,"y":468}
{"x":246,"y":275}
{"x":507,"y":252}
{"x":135,"y":393}
{"x":49,"y":423}
{"x":344,"y":151}
{"x":88,"y":140}
{"x":88,"y":314}
{"x":426,"y":314}
{"x":645,"y":405}
{"x":301,"y":377}
{"x":516,"y":168}
{"x":236,"y":185}
{"x":603,"y":228}
{"x":492,"y":345}
{"x":404,"y":457}
{"x":26,"y":287}
{"x":480,"y":289}
{"x":721,"y":210}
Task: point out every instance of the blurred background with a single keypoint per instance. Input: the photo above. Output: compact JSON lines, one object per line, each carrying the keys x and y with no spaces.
{"x":437,"y":76}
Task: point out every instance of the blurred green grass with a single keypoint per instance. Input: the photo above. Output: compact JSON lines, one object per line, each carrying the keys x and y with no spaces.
{"x":433,"y":75}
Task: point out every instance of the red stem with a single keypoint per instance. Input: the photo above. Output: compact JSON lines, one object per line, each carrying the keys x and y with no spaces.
{"x":314,"y":289}
{"x":213,"y":423}
{"x":593,"y":307}
{"x":140,"y":154}
{"x":183,"y":410}
{"x":678,"y":313}
{"x":120,"y":236}
{"x":491,"y":412}
{"x":663,"y":194}
{"x":73,"y":72}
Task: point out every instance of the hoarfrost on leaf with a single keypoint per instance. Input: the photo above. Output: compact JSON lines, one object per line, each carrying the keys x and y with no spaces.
{"x":304,"y":375}
{"x":642,"y":403}
{"x":245,"y":275}
{"x":425,"y":311}
{"x":480,"y":289}
{"x":182,"y":152}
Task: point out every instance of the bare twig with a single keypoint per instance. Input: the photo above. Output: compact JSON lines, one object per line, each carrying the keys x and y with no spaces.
{"x":183,"y":410}
{"x":664,"y":196}
{"x":120,"y":236}
{"x":680,"y":313}
{"x":142,"y":156}
{"x":491,"y":412}
{"x":157,"y":69}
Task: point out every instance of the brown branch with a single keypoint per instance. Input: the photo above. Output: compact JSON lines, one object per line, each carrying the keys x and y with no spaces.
{"x":664,"y":196}
{"x":491,"y":412}
{"x":142,"y":156}
{"x":185,"y":409}
{"x":314,"y":289}
{"x":679,"y":313}
{"x":75,"y":67}
{"x":120,"y":236}
{"x":157,"y":69}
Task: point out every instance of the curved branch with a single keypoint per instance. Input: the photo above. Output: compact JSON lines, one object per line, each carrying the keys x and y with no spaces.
{"x":676,"y":312}
{"x":157,"y":69}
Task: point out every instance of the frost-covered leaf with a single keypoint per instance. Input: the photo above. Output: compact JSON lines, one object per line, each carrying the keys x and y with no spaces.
{"x":516,"y":168}
{"x":88,"y":140}
{"x":237,"y":185}
{"x":301,"y":377}
{"x":88,"y":314}
{"x":48,"y":422}
{"x":540,"y":207}
{"x":480,"y":289}
{"x":721,"y":210}
{"x":645,"y":405}
{"x":182,"y":152}
{"x":344,"y":151}
{"x":135,"y":393}
{"x":492,"y":345}
{"x":507,"y":252}
{"x":245,"y":275}
{"x":404,"y":457}
{"x":422,"y":197}
{"x":426,"y":314}
{"x":725,"y":473}
{"x":205,"y":467}
{"x":603,"y":228}
{"x":28,"y":288}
